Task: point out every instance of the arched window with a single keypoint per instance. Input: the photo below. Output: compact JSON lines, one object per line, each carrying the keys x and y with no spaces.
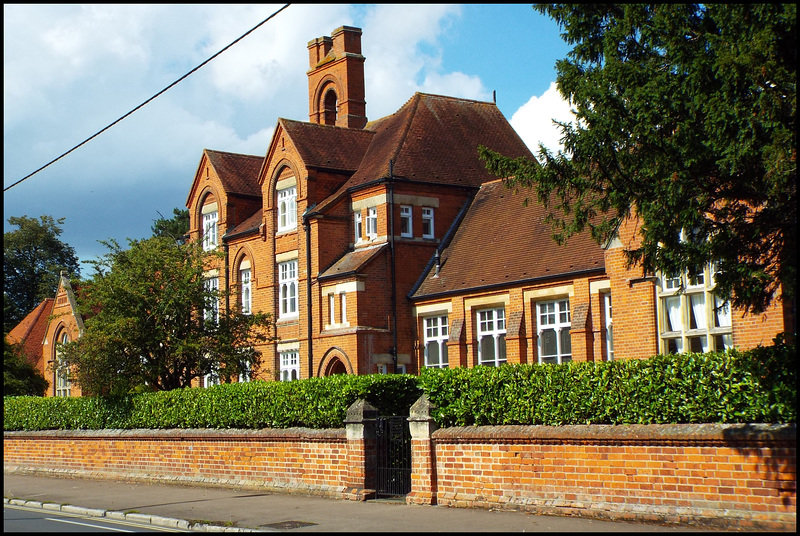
{"x":210,"y":215}
{"x":246,"y":291}
{"x":330,"y":111}
{"x":63,"y":383}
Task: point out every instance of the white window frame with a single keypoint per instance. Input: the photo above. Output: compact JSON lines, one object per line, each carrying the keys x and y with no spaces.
{"x":343,"y":308}
{"x":287,"y":209}
{"x":63,"y":382}
{"x":357,"y":226}
{"x":436,"y":335}
{"x":491,"y":330}
{"x":212,"y":284}
{"x":289,"y":365}
{"x":332,"y":309}
{"x":287,"y":281}
{"x":372,"y":223}
{"x":690,"y":316}
{"x":210,"y":230}
{"x":406,"y":221}
{"x":554,"y":316}
{"x":246,"y":291}
{"x":609,"y":325}
{"x":427,"y":223}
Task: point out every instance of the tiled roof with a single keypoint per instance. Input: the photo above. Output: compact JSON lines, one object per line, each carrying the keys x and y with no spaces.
{"x":237,"y":172}
{"x":326,"y":146}
{"x":353,"y":261}
{"x":503,"y":242}
{"x":435,"y":139}
{"x":250,"y":224}
{"x":30,"y":332}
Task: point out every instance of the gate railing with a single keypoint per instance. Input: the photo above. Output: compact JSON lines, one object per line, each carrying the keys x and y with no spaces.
{"x":393,"y":456}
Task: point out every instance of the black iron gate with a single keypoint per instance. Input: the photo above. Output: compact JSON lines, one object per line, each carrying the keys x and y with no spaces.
{"x":393,"y":456}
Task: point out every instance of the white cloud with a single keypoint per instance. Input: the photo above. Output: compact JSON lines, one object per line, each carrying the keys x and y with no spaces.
{"x":400,"y":43}
{"x":455,"y":85}
{"x":534,"y":120}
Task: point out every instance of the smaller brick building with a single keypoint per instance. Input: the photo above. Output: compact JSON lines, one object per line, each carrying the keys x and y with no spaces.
{"x":55,"y":320}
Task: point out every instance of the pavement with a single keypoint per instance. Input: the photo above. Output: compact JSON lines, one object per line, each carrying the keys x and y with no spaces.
{"x":216,"y":509}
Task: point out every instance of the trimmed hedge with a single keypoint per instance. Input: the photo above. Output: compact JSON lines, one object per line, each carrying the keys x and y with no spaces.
{"x":312,"y":403}
{"x":757,"y":386}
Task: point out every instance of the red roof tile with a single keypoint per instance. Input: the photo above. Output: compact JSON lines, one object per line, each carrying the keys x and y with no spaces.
{"x":435,"y":139}
{"x":237,"y":172}
{"x":250,"y":224}
{"x":30,"y":332}
{"x":353,"y":261}
{"x":326,"y":146}
{"x":503,"y":242}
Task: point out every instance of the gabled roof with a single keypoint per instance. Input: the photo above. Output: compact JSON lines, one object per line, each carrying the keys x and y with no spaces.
{"x":31,"y":331}
{"x":238,"y":173}
{"x":326,"y":146}
{"x":435,"y":139}
{"x":501,"y":242}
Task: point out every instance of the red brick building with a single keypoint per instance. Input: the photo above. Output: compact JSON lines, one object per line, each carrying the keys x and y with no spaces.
{"x":55,"y":320}
{"x":386,"y":245}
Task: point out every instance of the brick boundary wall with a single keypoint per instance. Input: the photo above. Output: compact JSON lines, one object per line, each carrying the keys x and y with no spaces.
{"x":730,"y":476}
{"x":290,"y":460}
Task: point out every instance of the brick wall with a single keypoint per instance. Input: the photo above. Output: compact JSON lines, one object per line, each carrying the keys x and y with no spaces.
{"x":724,"y":476}
{"x":310,"y":461}
{"x":717,"y":475}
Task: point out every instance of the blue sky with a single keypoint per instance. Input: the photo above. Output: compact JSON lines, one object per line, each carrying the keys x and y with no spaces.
{"x":71,"y":70}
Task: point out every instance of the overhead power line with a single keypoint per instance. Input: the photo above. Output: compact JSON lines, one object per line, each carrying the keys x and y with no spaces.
{"x":176,"y":82}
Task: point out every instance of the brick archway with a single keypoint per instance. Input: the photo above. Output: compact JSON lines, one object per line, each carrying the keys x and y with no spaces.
{"x":335,"y":361}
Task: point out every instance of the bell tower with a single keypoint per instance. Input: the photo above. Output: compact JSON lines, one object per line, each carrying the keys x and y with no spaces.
{"x":336,"y":93}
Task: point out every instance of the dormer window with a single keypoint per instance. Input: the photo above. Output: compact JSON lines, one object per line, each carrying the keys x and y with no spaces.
{"x":287,"y":209}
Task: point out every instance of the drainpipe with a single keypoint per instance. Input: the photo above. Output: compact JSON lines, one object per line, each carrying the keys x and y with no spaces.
{"x":307,"y":226}
{"x":393,"y":266}
{"x":227,"y":276}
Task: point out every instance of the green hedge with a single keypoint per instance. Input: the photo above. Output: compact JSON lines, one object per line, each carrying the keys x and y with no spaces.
{"x":746,"y":387}
{"x":312,"y":403}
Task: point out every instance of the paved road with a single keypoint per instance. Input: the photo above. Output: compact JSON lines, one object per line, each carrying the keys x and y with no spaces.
{"x":266,"y":511}
{"x":25,"y":519}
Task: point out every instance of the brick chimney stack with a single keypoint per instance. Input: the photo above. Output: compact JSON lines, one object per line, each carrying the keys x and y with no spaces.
{"x":336,"y":94}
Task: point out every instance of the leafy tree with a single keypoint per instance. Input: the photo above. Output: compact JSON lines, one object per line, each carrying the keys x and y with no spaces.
{"x":145,"y":325}
{"x":685,"y":117}
{"x":175,"y":228}
{"x":33,"y":257}
{"x":20,"y":378}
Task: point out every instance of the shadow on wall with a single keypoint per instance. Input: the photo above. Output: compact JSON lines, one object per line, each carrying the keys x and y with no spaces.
{"x":774,"y":447}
